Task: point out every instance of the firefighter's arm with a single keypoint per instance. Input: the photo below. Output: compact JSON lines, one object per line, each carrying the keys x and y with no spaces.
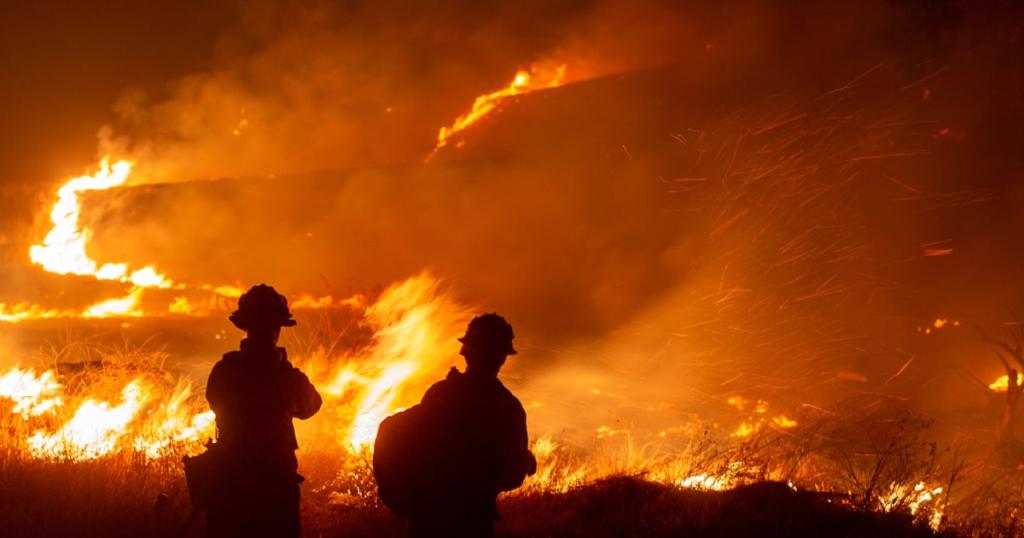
{"x":215,"y":393}
{"x":520,"y":461}
{"x":305,"y":399}
{"x":528,"y":463}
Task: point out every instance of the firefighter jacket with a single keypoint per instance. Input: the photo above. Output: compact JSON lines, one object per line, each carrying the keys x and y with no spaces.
{"x":486,"y":448}
{"x":255,"y":393}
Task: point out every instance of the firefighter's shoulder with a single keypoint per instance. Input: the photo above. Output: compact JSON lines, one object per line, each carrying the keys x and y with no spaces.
{"x":509,"y":402}
{"x":445,"y":388}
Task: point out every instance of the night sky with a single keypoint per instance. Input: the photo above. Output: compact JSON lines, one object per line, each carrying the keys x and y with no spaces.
{"x":317,"y":88}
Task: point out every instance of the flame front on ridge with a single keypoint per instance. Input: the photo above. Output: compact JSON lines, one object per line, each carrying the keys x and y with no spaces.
{"x":523,"y":82}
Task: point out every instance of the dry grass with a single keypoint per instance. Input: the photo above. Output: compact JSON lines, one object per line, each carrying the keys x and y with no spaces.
{"x":856,"y":456}
{"x":115,"y":497}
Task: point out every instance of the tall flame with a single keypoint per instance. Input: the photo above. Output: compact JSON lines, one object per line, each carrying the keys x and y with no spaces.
{"x":63,"y":249}
{"x":413,"y":324}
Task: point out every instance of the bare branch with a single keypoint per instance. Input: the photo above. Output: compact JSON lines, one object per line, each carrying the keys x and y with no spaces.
{"x":975,"y":381}
{"x":1006,"y":364}
{"x":1004,"y":346}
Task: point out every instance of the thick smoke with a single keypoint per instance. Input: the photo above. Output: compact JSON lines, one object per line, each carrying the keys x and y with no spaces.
{"x":311,"y":86}
{"x":726,"y":199}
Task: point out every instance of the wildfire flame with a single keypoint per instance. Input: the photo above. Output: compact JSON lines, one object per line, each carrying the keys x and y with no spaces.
{"x":758,"y":418}
{"x":63,"y":249}
{"x":25,"y":310}
{"x":414,"y":327}
{"x":32,"y":394}
{"x":918,"y":500}
{"x":1002,"y":384}
{"x":95,"y":428}
{"x":524,"y":81}
{"x":704,"y":481}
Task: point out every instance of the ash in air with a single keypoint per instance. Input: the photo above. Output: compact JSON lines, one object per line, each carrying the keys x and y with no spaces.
{"x":740,"y":242}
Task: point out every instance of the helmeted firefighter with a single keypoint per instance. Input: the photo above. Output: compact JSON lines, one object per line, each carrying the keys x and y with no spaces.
{"x":255,"y":393}
{"x":441,"y":464}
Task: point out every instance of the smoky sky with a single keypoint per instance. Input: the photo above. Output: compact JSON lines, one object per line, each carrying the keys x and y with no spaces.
{"x":179,"y":71}
{"x":652,"y":204}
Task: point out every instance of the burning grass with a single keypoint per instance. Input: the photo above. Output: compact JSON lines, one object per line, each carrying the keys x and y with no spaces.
{"x":842,"y":473}
{"x":92,"y":447}
{"x":118,"y":496}
{"x":98,"y":441}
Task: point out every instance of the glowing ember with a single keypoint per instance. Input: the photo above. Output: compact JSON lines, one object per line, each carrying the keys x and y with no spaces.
{"x":522,"y":82}
{"x":757,"y":420}
{"x":939,"y":323}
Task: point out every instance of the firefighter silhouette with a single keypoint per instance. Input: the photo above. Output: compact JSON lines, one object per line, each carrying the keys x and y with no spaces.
{"x":441,"y":464}
{"x":255,"y":393}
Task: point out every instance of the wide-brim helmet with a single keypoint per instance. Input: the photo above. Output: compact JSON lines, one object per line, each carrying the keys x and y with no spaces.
{"x":490,"y":330}
{"x":262,"y":305}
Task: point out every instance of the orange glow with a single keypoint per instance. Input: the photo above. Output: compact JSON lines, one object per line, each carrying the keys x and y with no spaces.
{"x":94,"y":429}
{"x":559,"y":470}
{"x":64,"y":252}
{"x":180,"y":305}
{"x":784,"y":422}
{"x":704,"y":481}
{"x":121,"y":306}
{"x":140,"y":416}
{"x":1003,"y":382}
{"x":306,"y":301}
{"x":32,"y":394}
{"x":757,"y":419}
{"x":415,"y":326}
{"x":939,"y":323}
{"x":63,"y":249}
{"x":919,"y":500}
{"x":523,"y":82}
{"x":172,"y":423}
{"x":24,"y":311}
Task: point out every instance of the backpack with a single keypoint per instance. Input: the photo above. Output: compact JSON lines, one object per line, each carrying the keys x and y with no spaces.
{"x":204,"y":476}
{"x":405,"y":460}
